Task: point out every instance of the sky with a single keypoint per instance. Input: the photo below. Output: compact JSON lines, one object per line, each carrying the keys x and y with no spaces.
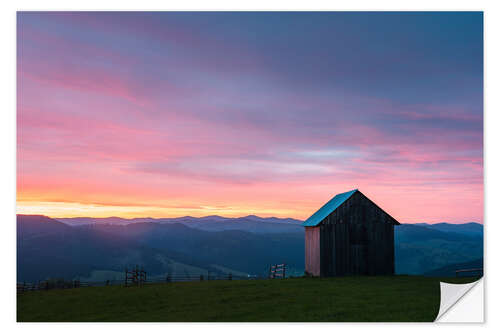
{"x":272,"y":114}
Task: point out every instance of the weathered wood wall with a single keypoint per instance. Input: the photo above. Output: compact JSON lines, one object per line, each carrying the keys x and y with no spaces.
{"x":312,"y":251}
{"x":356,"y":239}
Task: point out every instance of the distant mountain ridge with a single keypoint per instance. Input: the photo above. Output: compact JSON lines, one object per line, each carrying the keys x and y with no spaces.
{"x":474,"y":226}
{"x":463,"y":228}
{"x":121,"y":220}
{"x":250,"y":223}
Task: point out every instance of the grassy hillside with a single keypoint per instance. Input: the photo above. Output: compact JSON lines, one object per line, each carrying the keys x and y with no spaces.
{"x":396,"y":298}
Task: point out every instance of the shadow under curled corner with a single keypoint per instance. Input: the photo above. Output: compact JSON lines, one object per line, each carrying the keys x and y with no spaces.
{"x":461,"y":302}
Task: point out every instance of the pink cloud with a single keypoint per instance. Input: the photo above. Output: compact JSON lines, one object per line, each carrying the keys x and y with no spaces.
{"x":195,"y":121}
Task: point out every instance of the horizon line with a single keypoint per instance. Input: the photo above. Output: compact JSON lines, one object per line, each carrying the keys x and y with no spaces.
{"x":220,"y":216}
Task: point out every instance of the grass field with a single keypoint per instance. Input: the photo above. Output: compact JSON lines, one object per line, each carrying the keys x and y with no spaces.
{"x":392,"y":298}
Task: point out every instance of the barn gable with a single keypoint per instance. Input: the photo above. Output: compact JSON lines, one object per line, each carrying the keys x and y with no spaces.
{"x":321,"y":214}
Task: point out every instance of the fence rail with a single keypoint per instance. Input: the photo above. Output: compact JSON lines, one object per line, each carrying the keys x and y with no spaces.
{"x":469,"y":270}
{"x":23,"y":287}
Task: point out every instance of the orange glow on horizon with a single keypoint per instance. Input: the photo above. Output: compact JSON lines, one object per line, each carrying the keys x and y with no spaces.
{"x":65,"y":209}
{"x":400,"y":203}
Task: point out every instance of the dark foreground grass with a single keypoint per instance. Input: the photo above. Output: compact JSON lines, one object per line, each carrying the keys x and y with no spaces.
{"x":393,"y":298}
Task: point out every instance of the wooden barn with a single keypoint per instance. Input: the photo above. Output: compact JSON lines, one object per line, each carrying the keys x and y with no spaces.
{"x":349,"y":235}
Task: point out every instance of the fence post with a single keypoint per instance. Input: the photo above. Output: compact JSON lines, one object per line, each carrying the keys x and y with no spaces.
{"x":230,"y":277}
{"x":142,"y":279}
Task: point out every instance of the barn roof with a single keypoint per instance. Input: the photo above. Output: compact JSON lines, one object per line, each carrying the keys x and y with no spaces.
{"x":327,"y":208}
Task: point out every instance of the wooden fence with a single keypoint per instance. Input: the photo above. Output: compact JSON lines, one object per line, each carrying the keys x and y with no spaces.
{"x":134,"y":277}
{"x":479,"y":271}
{"x":59,"y":284}
{"x":277,"y":271}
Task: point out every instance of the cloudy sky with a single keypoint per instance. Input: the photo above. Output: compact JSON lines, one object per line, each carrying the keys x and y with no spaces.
{"x":173,"y":114}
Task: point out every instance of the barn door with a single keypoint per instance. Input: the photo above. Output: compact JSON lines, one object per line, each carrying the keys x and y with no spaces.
{"x":359,"y":260}
{"x":358,"y":250}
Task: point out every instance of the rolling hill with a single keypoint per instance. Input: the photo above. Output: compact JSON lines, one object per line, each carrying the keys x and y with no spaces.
{"x":71,"y":248}
{"x":160,"y":248}
{"x":449,"y":270}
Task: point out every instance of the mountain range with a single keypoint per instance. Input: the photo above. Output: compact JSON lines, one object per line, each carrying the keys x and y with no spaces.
{"x":101,"y":248}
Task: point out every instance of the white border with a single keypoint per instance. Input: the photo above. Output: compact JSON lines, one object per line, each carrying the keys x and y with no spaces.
{"x":7,"y":132}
